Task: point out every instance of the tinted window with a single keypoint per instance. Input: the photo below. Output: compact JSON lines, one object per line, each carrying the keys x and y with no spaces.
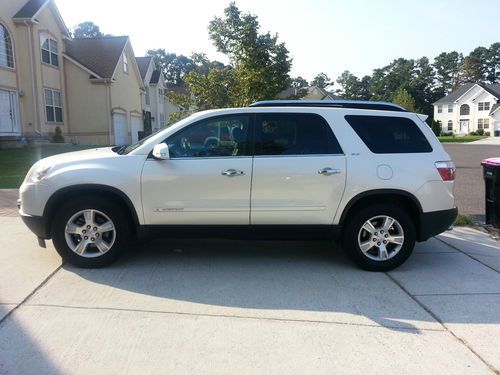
{"x":389,"y":135}
{"x":222,"y":136}
{"x":294,"y":134}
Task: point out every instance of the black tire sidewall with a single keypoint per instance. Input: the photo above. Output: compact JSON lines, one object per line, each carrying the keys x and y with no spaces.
{"x":353,"y":226}
{"x":117,"y":215}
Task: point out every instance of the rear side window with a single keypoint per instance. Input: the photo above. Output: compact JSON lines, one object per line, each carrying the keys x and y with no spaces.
{"x":389,"y":135}
{"x":294,"y":134}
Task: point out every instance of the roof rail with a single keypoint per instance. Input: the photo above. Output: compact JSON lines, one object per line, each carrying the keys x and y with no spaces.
{"x":357,"y":104}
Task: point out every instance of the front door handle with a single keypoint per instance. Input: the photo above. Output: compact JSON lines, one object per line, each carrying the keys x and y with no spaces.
{"x":232,"y":172}
{"x":328,"y":171}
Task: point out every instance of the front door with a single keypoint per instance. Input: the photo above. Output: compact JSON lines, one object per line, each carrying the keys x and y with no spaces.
{"x":464,"y":126}
{"x":207,"y":178}
{"x":135,"y":128}
{"x":299,"y":170}
{"x":9,"y":124}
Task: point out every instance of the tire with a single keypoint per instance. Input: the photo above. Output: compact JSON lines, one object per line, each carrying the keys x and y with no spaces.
{"x":366,"y":230}
{"x":91,"y":232}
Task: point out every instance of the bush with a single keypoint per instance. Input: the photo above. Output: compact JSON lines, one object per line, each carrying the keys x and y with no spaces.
{"x":447,"y":134}
{"x":57,"y":137}
{"x":462,"y":220}
{"x":473,"y":133}
{"x":436,"y":127}
{"x":480,"y":132}
{"x":487,"y":133}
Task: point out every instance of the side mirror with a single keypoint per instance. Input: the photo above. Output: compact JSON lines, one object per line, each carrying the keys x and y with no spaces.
{"x":160,"y":152}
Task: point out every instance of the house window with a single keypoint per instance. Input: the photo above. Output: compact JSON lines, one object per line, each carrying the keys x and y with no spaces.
{"x":49,"y":51}
{"x":450,"y":126}
{"x":440,"y":108}
{"x":162,"y":121}
{"x":53,"y":105}
{"x":147,"y":96}
{"x":464,"y":110}
{"x":483,"y":106}
{"x":125,"y":63}
{"x":483,"y":123}
{"x":6,"y":51}
{"x":450,"y":108}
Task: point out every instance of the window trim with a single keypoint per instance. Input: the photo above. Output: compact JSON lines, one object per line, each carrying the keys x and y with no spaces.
{"x":440,"y":108}
{"x":53,"y":106}
{"x":49,"y":38}
{"x":450,"y":122}
{"x":483,"y":105}
{"x":125,"y":62}
{"x":468,"y":110}
{"x":450,"y":108}
{"x":9,"y":35}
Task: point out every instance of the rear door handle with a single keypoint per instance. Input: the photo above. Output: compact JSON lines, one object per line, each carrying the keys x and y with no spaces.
{"x":329,"y":171}
{"x":232,"y":172}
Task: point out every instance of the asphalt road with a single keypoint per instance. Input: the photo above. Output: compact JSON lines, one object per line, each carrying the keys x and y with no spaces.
{"x":469,"y":184}
{"x":250,"y":307}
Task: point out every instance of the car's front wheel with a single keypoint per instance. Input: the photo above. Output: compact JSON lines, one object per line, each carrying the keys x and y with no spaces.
{"x":379,"y":237}
{"x":90,"y":231}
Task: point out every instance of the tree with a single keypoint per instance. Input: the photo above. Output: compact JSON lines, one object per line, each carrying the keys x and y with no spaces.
{"x":446,"y":65}
{"x":173,"y":66}
{"x":404,"y":99}
{"x":298,"y":82}
{"x":470,"y":70}
{"x":87,"y":30}
{"x":321,"y":80}
{"x":352,"y":88}
{"x":493,"y":66}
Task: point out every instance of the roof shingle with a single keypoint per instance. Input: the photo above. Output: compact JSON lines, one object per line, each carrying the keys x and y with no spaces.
{"x":143,"y":64}
{"x":493,"y":89}
{"x":100,"y":55}
{"x":30,"y":8}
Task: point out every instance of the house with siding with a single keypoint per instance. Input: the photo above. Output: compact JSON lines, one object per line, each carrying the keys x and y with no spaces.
{"x":470,"y":108}
{"x":90,"y":88}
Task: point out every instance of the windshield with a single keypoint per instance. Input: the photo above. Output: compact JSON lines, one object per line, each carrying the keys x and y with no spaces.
{"x":124,"y":150}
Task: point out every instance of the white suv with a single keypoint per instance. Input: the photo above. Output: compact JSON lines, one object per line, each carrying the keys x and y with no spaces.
{"x":370,"y":174}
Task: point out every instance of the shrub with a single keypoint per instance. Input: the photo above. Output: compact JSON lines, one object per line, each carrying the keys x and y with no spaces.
{"x":487,"y":133}
{"x":472,"y":133}
{"x":436,"y":127}
{"x":462,"y":220}
{"x":480,"y":132}
{"x":57,"y":137}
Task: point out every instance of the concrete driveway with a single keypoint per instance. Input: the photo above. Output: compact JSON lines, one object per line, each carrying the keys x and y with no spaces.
{"x":214,"y":306}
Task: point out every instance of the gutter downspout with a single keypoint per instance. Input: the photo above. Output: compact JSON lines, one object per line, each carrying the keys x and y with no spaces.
{"x":108,"y":109}
{"x":33,"y":81}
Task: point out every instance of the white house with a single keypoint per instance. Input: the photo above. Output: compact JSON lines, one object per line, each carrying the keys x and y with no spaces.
{"x":154,"y":104}
{"x":470,"y":108}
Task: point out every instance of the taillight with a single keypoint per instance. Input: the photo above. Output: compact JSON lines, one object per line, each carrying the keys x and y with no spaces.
{"x":446,"y":169}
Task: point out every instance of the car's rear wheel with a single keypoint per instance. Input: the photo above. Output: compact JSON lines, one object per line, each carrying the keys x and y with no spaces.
{"x":90,"y":232}
{"x":379,"y":237}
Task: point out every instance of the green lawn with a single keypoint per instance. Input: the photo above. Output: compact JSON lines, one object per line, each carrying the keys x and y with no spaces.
{"x":467,"y":138}
{"x":15,"y":163}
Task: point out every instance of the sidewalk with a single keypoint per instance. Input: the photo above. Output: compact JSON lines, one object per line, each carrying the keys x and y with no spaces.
{"x":491,"y":141}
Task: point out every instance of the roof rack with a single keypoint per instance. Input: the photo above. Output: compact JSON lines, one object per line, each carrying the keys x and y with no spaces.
{"x":356,"y":104}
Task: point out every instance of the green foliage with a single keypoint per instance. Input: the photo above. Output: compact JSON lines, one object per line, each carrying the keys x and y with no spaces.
{"x":480,"y":132}
{"x":321,"y":80}
{"x":87,"y":30}
{"x":436,"y":127}
{"x":353,"y":88}
{"x":404,"y":99}
{"x":57,"y":137}
{"x":298,"y":82}
{"x":464,"y":139}
{"x":463,"y":220}
{"x":173,"y":66}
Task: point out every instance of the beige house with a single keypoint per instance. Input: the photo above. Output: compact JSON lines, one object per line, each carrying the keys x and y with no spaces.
{"x":318,"y":93}
{"x":90,"y":88}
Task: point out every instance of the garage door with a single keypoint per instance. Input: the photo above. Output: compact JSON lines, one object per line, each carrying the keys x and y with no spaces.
{"x":121,"y":131}
{"x":136,"y":127}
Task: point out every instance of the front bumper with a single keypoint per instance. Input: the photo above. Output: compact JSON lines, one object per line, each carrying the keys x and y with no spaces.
{"x":435,"y":222}
{"x":37,"y":224}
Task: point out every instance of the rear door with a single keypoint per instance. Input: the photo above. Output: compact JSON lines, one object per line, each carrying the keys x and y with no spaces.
{"x":299,"y":170}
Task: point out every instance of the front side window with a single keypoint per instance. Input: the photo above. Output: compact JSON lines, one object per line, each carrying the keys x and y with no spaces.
{"x":464,"y":110}
{"x":6,"y":51}
{"x":218,"y":137}
{"x":440,"y":108}
{"x":125,"y":63}
{"x":450,"y":108}
{"x":53,"y":105}
{"x":483,"y":106}
{"x":450,"y":126}
{"x":294,"y":134}
{"x":389,"y":135}
{"x":49,"y":51}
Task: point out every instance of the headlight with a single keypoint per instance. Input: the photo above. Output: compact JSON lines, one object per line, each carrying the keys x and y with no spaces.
{"x":38,"y":173}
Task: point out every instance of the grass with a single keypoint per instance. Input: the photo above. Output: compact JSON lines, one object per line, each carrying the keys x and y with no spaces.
{"x":15,"y":163}
{"x":463,"y":220}
{"x":464,"y":139}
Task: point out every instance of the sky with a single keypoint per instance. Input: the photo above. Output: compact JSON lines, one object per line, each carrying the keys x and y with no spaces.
{"x":321,"y":35}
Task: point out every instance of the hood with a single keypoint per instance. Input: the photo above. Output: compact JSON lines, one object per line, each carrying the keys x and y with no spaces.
{"x":84,"y":155}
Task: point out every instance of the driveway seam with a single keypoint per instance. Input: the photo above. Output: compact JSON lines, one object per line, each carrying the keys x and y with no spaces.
{"x":233,"y":316}
{"x":457,"y":294}
{"x":466,"y":254}
{"x":32,"y":293}
{"x":429,"y":311}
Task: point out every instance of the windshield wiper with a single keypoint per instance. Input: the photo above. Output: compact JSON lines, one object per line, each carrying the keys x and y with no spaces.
{"x":119,"y":149}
